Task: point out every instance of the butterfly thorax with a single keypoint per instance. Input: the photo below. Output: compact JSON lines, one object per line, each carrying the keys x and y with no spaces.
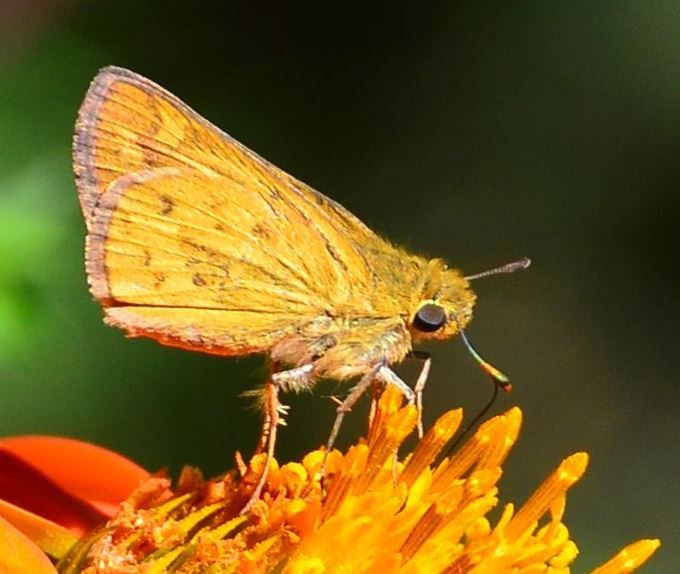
{"x":341,"y":343}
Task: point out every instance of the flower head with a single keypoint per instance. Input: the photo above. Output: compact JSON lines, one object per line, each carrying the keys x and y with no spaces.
{"x":376,"y":512}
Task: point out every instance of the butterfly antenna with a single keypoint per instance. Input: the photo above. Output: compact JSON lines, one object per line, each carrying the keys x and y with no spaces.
{"x":507,"y":268}
{"x":500,"y":379}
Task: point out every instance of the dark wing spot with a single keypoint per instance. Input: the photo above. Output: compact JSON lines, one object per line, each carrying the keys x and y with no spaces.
{"x":167,"y":205}
{"x":272,"y":200}
{"x":261,"y":230}
{"x":190,"y":244}
{"x":334,"y":254}
{"x":198,"y":280}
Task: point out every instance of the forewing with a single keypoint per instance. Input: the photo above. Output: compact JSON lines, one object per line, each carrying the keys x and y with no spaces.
{"x":179,"y":238}
{"x":129,"y":125}
{"x":176,"y":254}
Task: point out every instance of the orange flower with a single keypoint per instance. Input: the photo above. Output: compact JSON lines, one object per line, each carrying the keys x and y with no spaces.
{"x":380,"y":514}
{"x":54,"y":490}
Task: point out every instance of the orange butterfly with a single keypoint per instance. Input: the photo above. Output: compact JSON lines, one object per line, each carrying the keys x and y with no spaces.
{"x":197,"y":242}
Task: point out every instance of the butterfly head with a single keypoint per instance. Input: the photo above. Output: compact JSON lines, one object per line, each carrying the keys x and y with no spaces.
{"x":443,"y":305}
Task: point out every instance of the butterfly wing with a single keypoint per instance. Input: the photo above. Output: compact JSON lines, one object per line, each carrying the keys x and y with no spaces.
{"x":196,"y":241}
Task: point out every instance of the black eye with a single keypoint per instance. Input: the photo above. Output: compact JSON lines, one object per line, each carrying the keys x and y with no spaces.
{"x":429,"y":318}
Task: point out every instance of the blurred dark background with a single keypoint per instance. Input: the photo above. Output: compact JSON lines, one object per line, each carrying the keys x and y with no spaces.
{"x":479,"y":132}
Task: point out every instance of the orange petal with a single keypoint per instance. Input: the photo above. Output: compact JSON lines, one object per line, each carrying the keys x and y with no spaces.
{"x":18,"y":555}
{"x":51,"y":538}
{"x":28,"y":488}
{"x":92,"y":473}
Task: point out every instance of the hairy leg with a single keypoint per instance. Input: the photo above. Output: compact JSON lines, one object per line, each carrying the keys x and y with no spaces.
{"x":380,"y":372}
{"x":296,"y":379}
{"x":420,"y":384}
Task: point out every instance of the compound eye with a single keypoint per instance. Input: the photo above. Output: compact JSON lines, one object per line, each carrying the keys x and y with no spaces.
{"x":429,"y":318}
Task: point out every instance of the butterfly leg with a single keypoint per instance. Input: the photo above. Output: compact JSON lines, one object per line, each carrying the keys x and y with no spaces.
{"x":274,"y":412}
{"x":420,"y":384}
{"x":350,"y":400}
{"x":389,"y":377}
{"x":297,"y":379}
{"x":415,"y":395}
{"x":380,"y":372}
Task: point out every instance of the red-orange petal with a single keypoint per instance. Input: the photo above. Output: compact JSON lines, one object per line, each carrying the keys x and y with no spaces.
{"x":101,"y":477}
{"x":26,"y":487}
{"x":18,"y":555}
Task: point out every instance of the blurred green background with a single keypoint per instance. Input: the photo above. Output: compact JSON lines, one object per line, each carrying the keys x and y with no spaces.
{"x":478,"y":132}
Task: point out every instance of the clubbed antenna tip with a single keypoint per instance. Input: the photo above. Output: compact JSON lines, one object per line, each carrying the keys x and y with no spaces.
{"x":507,"y":268}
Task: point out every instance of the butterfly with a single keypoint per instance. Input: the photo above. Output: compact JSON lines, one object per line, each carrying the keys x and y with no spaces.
{"x":197,"y":242}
